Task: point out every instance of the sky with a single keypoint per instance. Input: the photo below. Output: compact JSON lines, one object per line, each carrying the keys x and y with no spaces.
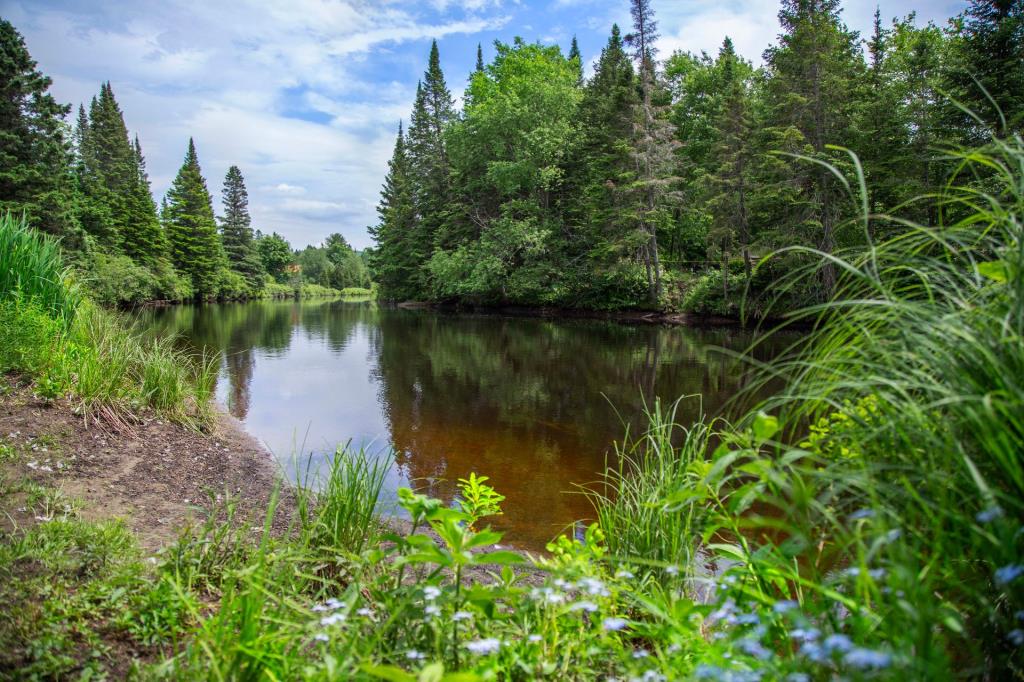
{"x":305,"y":96}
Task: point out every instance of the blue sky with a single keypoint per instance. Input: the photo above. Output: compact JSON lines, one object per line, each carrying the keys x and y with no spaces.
{"x":305,"y":95}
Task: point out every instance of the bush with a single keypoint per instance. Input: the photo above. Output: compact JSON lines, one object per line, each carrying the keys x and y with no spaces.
{"x":116,"y":280}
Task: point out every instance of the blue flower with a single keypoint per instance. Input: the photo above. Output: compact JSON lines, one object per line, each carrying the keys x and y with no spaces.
{"x":1007,"y":574}
{"x":613,"y":624}
{"x":862,"y":514}
{"x":784,"y":606}
{"x":1016,"y":637}
{"x":989,"y":515}
{"x":837,"y":643}
{"x":752,"y":647}
{"x":866,"y":658}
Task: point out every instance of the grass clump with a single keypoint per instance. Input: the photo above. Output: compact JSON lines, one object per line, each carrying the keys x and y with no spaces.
{"x":68,"y":346}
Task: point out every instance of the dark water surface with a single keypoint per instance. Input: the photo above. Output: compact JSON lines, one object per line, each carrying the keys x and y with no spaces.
{"x":533,"y":403}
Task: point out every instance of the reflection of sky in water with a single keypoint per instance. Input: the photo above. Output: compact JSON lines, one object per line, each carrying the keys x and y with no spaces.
{"x":534,"y":404}
{"x":324,"y":395}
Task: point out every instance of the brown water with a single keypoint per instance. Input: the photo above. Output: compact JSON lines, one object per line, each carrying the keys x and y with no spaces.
{"x":534,"y":404}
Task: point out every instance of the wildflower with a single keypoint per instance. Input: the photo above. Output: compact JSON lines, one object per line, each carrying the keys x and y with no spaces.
{"x":534,"y":638}
{"x":332,"y":619}
{"x":989,"y":515}
{"x":430,"y":593}
{"x":840,"y":643}
{"x":893,"y":535}
{"x":648,"y":676}
{"x":414,"y":655}
{"x":641,"y":653}
{"x":673,"y":649}
{"x":866,"y":658}
{"x":805,"y":635}
{"x":613,"y":624}
{"x":1016,"y":637}
{"x":747,"y":619}
{"x":672,"y":569}
{"x":594,"y":586}
{"x":1007,"y":574}
{"x":813,"y":651}
{"x":365,"y":612}
{"x":752,"y":647}
{"x":624,"y":574}
{"x":432,"y":610}
{"x":321,"y":637}
{"x":784,"y":606}
{"x":562,"y":584}
{"x":461,"y":615}
{"x":484,"y":646}
{"x":862,"y":514}
{"x":587,"y":606}
{"x":724,"y":612}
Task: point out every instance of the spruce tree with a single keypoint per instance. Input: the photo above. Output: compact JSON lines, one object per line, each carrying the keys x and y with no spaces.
{"x":395,"y":261}
{"x":196,"y":250}
{"x":236,"y":229}
{"x":574,"y":54}
{"x":433,"y":111}
{"x":144,"y":238}
{"x":35,"y":166}
{"x":479,"y":59}
{"x":815,"y":82}
{"x":986,"y":75}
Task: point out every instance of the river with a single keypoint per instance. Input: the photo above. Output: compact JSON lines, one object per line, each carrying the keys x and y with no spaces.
{"x":535,"y":404}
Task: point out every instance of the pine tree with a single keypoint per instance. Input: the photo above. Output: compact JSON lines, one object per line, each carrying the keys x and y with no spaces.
{"x":433,"y":111}
{"x":394,"y":263}
{"x":192,"y":231}
{"x":814,"y":86}
{"x":734,"y":154}
{"x":35,"y":163}
{"x":654,"y":142}
{"x":607,"y":111}
{"x":479,"y":59}
{"x":144,"y":238}
{"x":574,"y":53}
{"x":236,"y":229}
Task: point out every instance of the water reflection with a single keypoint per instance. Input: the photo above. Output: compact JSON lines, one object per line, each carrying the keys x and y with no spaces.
{"x":532,"y":403}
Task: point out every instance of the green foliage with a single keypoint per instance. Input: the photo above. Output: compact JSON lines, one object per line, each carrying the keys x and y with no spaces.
{"x":275,"y":253}
{"x":32,"y":271}
{"x":477,"y":499}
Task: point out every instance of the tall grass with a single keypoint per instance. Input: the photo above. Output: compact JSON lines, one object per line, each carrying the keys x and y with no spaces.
{"x":31,"y":269}
{"x":69,"y":346}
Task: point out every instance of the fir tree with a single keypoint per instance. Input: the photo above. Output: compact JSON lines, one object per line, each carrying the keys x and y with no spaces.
{"x":236,"y":229}
{"x":34,"y":155}
{"x":479,"y":59}
{"x":144,"y":238}
{"x":192,"y":231}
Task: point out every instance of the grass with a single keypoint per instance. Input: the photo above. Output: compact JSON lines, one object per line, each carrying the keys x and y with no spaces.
{"x":68,"y":346}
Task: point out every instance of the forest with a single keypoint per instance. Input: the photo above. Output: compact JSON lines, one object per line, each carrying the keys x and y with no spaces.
{"x":667,"y":183}
{"x":87,"y":185}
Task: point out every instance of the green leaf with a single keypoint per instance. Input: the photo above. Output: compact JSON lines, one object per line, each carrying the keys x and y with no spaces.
{"x":994,"y":270}
{"x":483,"y":538}
{"x":765,"y":426}
{"x":503,"y":557}
{"x":388,"y":672}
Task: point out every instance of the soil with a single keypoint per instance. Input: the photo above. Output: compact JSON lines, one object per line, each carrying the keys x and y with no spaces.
{"x":157,"y":476}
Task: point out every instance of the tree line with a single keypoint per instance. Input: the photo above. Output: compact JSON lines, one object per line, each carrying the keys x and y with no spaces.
{"x":664,"y":183}
{"x":86,"y":183}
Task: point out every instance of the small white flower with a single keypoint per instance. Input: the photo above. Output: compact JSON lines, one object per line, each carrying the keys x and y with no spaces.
{"x":461,"y":615}
{"x":321,"y":637}
{"x":414,"y":655}
{"x":673,"y":649}
{"x":484,"y":646}
{"x":430,"y":593}
{"x":594,"y":587}
{"x":613,"y":624}
{"x":641,"y":653}
{"x":432,"y":610}
{"x":587,"y":606}
{"x":365,"y":612}
{"x":534,"y":638}
{"x":332,"y":619}
{"x":672,"y":569}
{"x":624,"y":574}
{"x":562,"y":584}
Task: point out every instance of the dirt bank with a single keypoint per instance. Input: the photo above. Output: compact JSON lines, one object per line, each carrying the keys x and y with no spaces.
{"x":156,"y":477}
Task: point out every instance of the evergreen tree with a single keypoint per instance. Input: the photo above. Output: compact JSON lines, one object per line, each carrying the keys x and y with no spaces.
{"x":479,"y":59}
{"x":605,"y":218}
{"x":236,"y":229}
{"x":144,"y":238}
{"x":814,"y":85}
{"x":34,"y":155}
{"x":654,"y":142}
{"x":192,"y":231}
{"x":395,"y":263}
{"x":433,"y":111}
{"x":987,"y":73}
{"x":574,"y":54}
{"x":734,"y":155}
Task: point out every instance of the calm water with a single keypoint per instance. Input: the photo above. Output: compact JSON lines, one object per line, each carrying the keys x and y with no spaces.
{"x":532,"y":403}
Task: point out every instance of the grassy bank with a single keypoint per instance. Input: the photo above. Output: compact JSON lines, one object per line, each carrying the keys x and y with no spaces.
{"x":864,"y":524}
